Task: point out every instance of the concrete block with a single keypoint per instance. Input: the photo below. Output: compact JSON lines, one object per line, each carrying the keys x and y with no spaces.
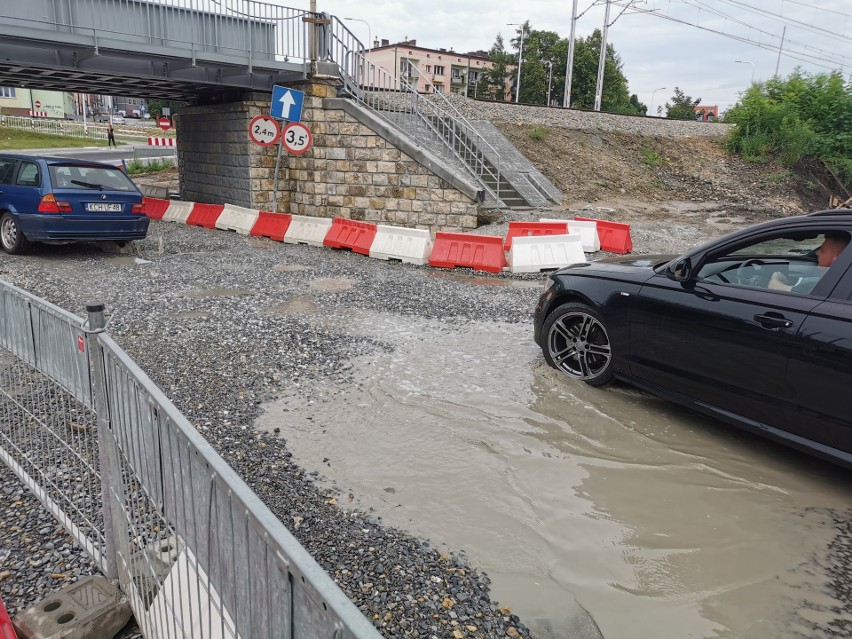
{"x":92,"y":608}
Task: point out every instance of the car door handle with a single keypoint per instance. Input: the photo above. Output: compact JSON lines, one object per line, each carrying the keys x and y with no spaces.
{"x":773,"y":321}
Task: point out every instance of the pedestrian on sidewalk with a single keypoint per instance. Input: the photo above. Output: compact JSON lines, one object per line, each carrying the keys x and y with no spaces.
{"x":111,"y":137}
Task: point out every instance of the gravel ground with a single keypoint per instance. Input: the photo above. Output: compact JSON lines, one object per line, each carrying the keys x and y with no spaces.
{"x":210,"y":320}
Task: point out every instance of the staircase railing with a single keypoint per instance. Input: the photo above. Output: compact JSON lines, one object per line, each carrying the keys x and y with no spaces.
{"x":420,"y":117}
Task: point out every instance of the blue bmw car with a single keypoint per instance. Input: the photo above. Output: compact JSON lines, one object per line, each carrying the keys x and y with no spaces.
{"x":59,"y":200}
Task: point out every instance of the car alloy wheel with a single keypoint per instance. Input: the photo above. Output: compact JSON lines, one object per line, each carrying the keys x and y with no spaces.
{"x":577,"y":344}
{"x":11,"y":238}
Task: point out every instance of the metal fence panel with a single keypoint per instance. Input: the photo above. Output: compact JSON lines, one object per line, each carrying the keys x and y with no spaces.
{"x":232,"y":568}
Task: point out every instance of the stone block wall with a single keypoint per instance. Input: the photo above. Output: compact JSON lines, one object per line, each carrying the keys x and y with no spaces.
{"x":350,"y":171}
{"x":220,"y":164}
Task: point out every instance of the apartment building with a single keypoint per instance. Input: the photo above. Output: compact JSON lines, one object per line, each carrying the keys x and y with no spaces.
{"x":433,"y":70}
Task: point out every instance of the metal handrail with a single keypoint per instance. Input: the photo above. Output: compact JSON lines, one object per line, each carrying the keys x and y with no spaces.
{"x":396,"y":100}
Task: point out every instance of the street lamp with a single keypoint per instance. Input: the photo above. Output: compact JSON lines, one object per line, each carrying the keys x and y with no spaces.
{"x":752,"y":67}
{"x":549,"y":78}
{"x":369,"y":50}
{"x":652,"y":97}
{"x":520,"y":59}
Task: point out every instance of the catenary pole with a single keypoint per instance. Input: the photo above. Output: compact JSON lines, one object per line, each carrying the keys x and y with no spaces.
{"x":602,"y":59}
{"x":569,"y":67}
{"x":780,"y":46}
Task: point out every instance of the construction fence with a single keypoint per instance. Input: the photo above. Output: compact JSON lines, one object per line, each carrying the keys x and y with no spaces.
{"x":195,"y":551}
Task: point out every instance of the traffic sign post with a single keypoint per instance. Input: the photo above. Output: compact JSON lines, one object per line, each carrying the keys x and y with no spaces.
{"x":286,"y":103}
{"x":164,"y":124}
{"x":263,"y":130}
{"x":296,"y":138}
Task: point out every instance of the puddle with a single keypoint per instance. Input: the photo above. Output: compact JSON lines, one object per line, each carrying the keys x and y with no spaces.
{"x":289,"y":268}
{"x":193,"y":315}
{"x":332,"y":284}
{"x":220,"y":292}
{"x":126,"y":260}
{"x":298,"y":304}
{"x":661,"y":523}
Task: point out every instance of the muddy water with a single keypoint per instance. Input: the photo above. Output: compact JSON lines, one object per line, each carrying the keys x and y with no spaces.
{"x":661,"y":524}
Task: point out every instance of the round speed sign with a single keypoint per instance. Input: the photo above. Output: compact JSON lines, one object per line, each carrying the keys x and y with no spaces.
{"x":296,"y":138}
{"x":263,"y":130}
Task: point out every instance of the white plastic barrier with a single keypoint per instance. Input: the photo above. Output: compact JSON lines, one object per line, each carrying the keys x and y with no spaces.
{"x":304,"y":229}
{"x":178,"y":211}
{"x":588,"y":232}
{"x":237,"y":218}
{"x":412,"y":246}
{"x":538,"y":252}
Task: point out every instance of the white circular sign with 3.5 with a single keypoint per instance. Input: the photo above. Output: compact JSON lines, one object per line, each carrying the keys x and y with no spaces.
{"x":296,"y":138}
{"x":264,"y":130}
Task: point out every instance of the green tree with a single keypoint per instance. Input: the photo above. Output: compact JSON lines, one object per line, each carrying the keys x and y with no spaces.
{"x":681,"y":107}
{"x":492,"y":82}
{"x":155,"y":107}
{"x":542,"y":48}
{"x":800,"y":117}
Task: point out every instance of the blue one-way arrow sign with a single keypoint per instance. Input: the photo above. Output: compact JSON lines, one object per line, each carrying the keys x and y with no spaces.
{"x":286,"y":103}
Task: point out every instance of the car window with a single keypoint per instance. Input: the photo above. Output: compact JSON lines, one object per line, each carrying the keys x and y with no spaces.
{"x":90,"y":177}
{"x":785,"y":264}
{"x":28,"y":175}
{"x":7,"y":170}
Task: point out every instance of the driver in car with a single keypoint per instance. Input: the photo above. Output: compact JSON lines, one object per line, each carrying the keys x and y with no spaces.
{"x":832,"y":246}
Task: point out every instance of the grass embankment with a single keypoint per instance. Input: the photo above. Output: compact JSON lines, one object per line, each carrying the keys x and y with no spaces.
{"x":15,"y":139}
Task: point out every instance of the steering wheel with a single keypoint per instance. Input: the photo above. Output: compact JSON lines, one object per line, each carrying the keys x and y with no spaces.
{"x":751,"y":279}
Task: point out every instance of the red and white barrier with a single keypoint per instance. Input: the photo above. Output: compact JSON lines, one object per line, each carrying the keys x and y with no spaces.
{"x":38,"y":114}
{"x":532,"y":246}
{"x":162,"y":142}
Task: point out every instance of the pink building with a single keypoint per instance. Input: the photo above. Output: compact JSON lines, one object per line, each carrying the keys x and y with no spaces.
{"x":434,"y":70}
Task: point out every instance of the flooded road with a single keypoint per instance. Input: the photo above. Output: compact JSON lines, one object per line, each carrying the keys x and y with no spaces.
{"x":662,"y":524}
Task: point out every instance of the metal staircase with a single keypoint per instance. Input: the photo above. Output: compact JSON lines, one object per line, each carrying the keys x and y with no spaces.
{"x":429,"y":121}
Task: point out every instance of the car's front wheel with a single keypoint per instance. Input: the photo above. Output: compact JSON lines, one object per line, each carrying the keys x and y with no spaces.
{"x":11,"y":238}
{"x":576,"y":342}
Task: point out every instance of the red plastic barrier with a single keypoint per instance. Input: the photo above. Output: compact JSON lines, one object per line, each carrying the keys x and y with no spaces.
{"x":154,"y":207}
{"x":479,"y":252}
{"x":271,"y":225}
{"x":351,"y":234}
{"x":205,"y":215}
{"x":7,"y":631}
{"x":614,"y":236}
{"x":526,"y":229}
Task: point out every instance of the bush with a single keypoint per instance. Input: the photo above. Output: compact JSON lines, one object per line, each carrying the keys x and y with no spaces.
{"x":538,"y":133}
{"x":137,"y":167}
{"x":653,"y":158}
{"x":795,"y":119}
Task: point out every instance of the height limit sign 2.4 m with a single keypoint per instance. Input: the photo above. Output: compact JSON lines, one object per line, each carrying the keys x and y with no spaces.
{"x":264,"y":130}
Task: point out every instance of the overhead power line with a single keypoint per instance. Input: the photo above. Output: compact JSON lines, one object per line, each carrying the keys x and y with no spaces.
{"x":818,"y":58}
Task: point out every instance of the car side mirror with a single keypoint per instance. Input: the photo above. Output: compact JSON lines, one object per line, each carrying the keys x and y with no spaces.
{"x":679,"y":270}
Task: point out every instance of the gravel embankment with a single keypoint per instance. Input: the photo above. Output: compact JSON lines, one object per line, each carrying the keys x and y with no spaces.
{"x":210,"y":320}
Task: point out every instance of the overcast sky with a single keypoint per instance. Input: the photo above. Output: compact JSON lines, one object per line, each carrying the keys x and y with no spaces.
{"x":656,"y":50}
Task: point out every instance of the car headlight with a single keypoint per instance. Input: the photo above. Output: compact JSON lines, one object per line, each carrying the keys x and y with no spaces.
{"x":549,"y":283}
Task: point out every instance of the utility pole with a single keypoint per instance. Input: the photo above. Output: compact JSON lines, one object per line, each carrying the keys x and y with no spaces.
{"x":569,"y":67}
{"x":549,"y":78}
{"x":520,"y":60}
{"x":780,"y":46}
{"x":602,"y":59}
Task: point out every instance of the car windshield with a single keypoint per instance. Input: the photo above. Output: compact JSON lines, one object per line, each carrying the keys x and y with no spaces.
{"x":90,"y":177}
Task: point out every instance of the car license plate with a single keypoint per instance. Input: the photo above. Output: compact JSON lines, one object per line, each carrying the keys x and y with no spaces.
{"x":103,"y":207}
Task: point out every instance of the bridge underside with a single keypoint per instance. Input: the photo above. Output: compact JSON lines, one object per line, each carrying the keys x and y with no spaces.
{"x":65,"y":67}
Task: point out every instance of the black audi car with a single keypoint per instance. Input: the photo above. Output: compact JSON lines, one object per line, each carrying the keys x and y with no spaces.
{"x":754,"y":328}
